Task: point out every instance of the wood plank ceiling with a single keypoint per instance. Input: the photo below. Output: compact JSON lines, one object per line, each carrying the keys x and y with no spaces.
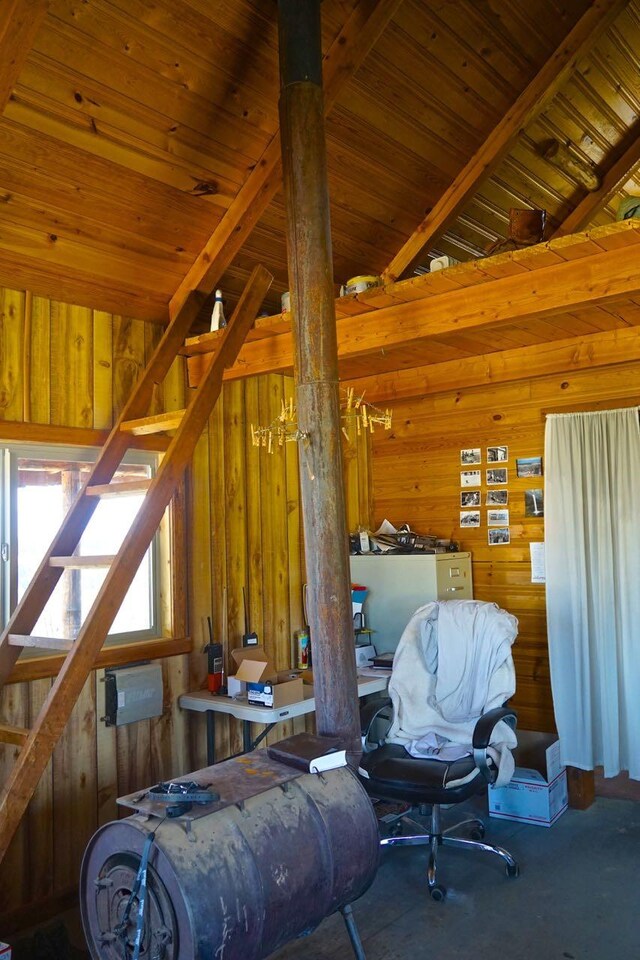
{"x":133,"y":125}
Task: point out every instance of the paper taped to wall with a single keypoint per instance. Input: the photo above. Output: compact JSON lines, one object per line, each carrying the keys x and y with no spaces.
{"x":538,"y":574}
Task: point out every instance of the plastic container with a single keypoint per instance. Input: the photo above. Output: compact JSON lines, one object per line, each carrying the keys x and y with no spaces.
{"x":359,"y":285}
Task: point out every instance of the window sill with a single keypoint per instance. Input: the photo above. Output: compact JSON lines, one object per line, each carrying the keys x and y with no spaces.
{"x":38,"y":668}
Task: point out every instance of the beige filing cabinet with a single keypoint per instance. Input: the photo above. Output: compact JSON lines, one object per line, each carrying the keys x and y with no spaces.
{"x":398,"y":584}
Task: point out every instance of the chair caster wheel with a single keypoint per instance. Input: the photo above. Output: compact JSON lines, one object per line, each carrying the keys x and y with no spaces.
{"x":438,"y":893}
{"x":513,"y":871}
{"x":477,"y":833}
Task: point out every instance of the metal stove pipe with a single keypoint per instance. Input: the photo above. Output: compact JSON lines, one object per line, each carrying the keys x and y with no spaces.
{"x":316,"y":370}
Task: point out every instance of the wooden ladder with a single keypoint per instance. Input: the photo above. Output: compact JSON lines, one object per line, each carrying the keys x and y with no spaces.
{"x":36,"y":745}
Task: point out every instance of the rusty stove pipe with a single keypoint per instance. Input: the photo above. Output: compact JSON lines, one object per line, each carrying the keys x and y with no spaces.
{"x":316,"y":370}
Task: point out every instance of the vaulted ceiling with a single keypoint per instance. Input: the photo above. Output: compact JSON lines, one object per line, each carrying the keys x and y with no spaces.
{"x":139,"y":138}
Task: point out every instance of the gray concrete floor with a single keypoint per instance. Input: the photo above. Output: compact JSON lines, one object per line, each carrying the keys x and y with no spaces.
{"x":578,"y":897}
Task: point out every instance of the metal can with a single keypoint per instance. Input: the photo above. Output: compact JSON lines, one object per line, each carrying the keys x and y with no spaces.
{"x":303,"y":649}
{"x":360,"y":285}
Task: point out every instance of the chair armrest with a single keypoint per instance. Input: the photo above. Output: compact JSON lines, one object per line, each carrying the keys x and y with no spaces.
{"x":368,"y":713}
{"x":482,"y":737}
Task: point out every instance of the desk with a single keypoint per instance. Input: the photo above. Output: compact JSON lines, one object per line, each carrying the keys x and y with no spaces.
{"x":204,"y":702}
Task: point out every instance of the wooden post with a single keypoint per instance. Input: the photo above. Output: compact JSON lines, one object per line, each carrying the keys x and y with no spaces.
{"x":316,"y":368}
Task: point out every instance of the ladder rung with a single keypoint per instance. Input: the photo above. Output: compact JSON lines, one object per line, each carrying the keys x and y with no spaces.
{"x":119,"y":488}
{"x":156,"y":424}
{"x":47,"y":643}
{"x":79,"y":563}
{"x":204,"y":343}
{"x":9,"y":734}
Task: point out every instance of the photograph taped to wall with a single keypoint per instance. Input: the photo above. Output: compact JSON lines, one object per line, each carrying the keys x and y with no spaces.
{"x":469,"y":518}
{"x":498,"y":536}
{"x":529,"y":466}
{"x":470,"y":455}
{"x":470,"y":478}
{"x":497,"y":498}
{"x":470,"y":498}
{"x":497,"y":454}
{"x":534,"y":503}
{"x":497,"y":476}
{"x":498,"y":518}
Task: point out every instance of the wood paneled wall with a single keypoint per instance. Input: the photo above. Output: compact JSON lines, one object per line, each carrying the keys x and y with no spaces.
{"x":73,"y":367}
{"x":246,"y":533}
{"x":416,"y":478}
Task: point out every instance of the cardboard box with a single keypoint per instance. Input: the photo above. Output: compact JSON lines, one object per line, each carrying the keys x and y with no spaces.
{"x":537,"y":793}
{"x":265,"y":685}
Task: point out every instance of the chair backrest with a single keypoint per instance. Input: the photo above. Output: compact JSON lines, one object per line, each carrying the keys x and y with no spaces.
{"x":453,"y":663}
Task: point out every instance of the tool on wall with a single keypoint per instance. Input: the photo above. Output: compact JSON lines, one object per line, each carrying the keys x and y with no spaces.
{"x":215,"y":664}
{"x":250,"y":637}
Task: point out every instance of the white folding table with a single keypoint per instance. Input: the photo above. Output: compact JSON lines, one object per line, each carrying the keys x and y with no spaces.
{"x":209,"y":703}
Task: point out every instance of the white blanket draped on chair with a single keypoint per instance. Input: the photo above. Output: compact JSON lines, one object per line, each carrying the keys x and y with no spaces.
{"x":453,"y":663}
{"x":592,"y":536}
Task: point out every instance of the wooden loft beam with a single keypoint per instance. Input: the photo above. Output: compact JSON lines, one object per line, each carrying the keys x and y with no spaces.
{"x":550,"y":279}
{"x":529,"y":104}
{"x":19,"y":23}
{"x":357,"y":37}
{"x":619,"y":171}
{"x":588,"y":352}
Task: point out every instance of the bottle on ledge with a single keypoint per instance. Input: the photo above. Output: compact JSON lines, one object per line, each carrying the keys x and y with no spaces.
{"x":217,"y":314}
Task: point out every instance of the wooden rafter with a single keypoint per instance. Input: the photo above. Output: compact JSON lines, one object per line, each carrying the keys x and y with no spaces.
{"x":357,"y":37}
{"x":529,"y":104}
{"x":550,"y":279}
{"x":19,"y":23}
{"x":619,"y":171}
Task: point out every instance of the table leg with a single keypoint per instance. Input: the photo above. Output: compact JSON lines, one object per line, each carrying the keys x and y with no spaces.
{"x":211,"y":737}
{"x":261,"y":737}
{"x":247,"y":744}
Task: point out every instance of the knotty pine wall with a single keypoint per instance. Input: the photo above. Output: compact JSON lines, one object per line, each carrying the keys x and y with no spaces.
{"x":246,"y":530}
{"x":73,"y":367}
{"x":416,"y":478}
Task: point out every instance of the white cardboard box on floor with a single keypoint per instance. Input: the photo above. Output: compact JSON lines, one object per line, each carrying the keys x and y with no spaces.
{"x":537,"y":793}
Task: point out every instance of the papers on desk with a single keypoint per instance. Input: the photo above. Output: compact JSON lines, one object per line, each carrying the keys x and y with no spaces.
{"x":368,"y":672}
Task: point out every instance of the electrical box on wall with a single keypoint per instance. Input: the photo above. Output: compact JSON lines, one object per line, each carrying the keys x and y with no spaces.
{"x":132,"y":693}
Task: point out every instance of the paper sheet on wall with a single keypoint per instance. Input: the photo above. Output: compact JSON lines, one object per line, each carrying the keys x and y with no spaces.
{"x":538,"y":573}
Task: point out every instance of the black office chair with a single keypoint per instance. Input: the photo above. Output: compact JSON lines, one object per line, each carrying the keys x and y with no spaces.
{"x":389,"y":773}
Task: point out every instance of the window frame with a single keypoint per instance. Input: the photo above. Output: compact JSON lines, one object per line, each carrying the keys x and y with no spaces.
{"x":10,"y":452}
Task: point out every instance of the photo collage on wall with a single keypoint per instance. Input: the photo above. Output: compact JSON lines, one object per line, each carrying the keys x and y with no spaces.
{"x":496,"y":477}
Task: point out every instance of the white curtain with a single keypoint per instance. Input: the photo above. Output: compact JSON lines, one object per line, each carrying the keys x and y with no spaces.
{"x":592,"y":536}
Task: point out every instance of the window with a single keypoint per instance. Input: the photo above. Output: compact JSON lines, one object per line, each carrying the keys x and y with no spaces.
{"x":37,"y":486}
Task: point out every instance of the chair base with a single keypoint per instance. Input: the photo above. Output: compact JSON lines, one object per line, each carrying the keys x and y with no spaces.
{"x":437,"y":837}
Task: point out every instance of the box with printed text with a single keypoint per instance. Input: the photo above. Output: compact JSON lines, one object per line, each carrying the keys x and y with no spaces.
{"x":537,"y":792}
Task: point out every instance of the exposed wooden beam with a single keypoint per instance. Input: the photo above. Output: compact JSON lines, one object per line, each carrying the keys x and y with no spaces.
{"x":620,"y":170}
{"x":15,"y":430}
{"x":357,"y":37}
{"x":552,"y":290}
{"x":594,"y":350}
{"x":19,"y":23}
{"x":529,"y":104}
